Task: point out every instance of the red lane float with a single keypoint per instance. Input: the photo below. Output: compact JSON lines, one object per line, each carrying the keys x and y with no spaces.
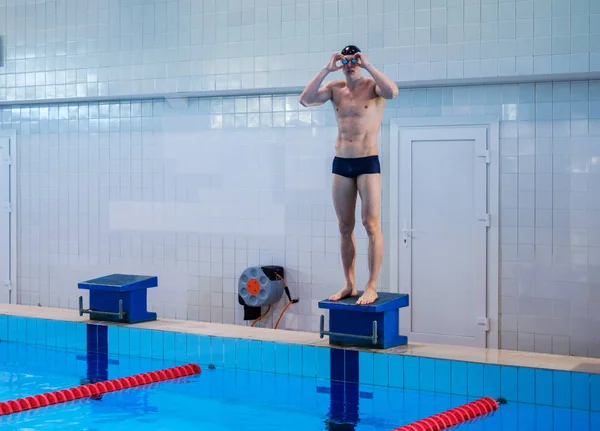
{"x":95,"y":389}
{"x":454,"y":416}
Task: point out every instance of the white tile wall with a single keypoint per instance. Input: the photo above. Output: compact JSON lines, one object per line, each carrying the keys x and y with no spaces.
{"x":224,"y":183}
{"x":58,"y":49}
{"x":196,"y":194}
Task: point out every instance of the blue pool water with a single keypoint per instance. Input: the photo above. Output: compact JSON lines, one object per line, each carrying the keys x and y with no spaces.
{"x":233,"y":399}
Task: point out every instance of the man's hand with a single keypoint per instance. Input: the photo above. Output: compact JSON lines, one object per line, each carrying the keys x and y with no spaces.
{"x":384,"y":87}
{"x":363,"y":60}
{"x":332,"y":66}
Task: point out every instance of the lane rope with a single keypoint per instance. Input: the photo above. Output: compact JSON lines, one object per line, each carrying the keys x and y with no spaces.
{"x":95,"y":389}
{"x":455,"y":416}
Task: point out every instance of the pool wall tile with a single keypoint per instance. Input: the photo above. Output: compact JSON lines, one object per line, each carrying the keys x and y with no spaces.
{"x":40,"y":332}
{"x":411,"y":372}
{"x":156,"y":344}
{"x":135,"y":342}
{"x":427,"y":374}
{"x":282,"y":354}
{"x":561,"y":385}
{"x":191,"y":350}
{"x":474,"y":379}
{"x":22,"y":330}
{"x":580,"y":421}
{"x":544,"y":418}
{"x":595,"y":392}
{"x":526,"y":385}
{"x":12,"y":329}
{"x":365,"y":368}
{"x":3,"y":328}
{"x":396,"y":371}
{"x":180,"y":347}
{"x":169,"y":346}
{"x":562,"y":418}
{"x":509,"y":383}
{"x":229,"y":353}
{"x":61,"y":334}
{"x":146,"y":343}
{"x":323,"y":359}
{"x":124,"y":341}
{"x":459,"y":378}
{"x":580,"y":391}
{"x":81,"y":337}
{"x":71,"y":335}
{"x":543,"y":387}
{"x":255,"y":355}
{"x":30,"y":331}
{"x":51,"y":326}
{"x":216,"y":350}
{"x":381,"y":369}
{"x":113,"y":339}
{"x":242,"y":354}
{"x":309,"y":361}
{"x":491,"y":380}
{"x":295,"y":359}
{"x":443,"y":376}
{"x":204,"y":350}
{"x":268,"y":357}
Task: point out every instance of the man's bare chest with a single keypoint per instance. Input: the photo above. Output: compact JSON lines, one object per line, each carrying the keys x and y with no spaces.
{"x":355,"y":106}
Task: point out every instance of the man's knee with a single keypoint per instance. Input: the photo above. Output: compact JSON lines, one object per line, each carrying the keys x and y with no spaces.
{"x":372,"y":225}
{"x":346,"y":227}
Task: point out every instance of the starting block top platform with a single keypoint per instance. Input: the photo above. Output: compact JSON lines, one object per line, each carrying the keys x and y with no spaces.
{"x":120,"y":283}
{"x":386,"y":301}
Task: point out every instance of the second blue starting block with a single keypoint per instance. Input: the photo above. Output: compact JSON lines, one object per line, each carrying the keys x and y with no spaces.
{"x":119,"y":298}
{"x":374,"y":325}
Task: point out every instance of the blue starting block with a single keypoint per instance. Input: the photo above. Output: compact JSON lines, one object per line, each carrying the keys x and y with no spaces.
{"x":374,"y":325}
{"x":119,"y":298}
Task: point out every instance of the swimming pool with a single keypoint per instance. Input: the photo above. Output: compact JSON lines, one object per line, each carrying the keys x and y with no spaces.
{"x":267,"y":385}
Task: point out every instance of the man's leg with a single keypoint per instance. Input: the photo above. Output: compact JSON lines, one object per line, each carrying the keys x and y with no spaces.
{"x":369,"y":189}
{"x":344,"y":201}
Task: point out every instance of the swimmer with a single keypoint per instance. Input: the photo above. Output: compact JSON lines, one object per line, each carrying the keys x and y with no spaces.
{"x":359,"y":104}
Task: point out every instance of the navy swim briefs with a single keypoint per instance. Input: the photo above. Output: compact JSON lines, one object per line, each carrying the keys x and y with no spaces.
{"x":354,"y":167}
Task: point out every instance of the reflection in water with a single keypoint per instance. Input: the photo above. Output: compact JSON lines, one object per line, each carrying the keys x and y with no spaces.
{"x":344,"y":393}
{"x":343,"y":412}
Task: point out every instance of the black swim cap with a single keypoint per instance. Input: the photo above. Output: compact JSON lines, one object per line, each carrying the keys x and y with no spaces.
{"x":350,"y":50}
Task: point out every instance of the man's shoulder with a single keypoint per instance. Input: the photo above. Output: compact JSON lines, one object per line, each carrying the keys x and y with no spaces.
{"x":370,"y":82}
{"x":336,"y":83}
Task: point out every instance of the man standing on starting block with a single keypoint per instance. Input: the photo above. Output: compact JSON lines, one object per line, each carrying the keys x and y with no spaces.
{"x":359,"y":104}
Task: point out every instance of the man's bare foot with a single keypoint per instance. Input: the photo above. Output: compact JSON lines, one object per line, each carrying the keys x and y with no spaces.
{"x":368,"y":297}
{"x":348,"y":290}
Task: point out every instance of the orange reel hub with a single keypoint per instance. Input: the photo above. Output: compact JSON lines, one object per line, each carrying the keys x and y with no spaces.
{"x":253,"y":286}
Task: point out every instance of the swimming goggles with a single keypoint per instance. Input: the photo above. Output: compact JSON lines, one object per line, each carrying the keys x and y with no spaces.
{"x":345,"y":60}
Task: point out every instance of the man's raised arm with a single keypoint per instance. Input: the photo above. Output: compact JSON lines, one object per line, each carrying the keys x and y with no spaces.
{"x":314,"y":94}
{"x":384,"y":87}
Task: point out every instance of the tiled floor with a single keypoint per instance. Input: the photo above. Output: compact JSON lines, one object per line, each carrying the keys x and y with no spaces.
{"x":470,"y":354}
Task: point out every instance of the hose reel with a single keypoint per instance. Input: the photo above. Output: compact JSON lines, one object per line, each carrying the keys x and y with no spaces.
{"x":260,"y":286}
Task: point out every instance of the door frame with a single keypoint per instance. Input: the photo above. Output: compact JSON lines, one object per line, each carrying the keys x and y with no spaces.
{"x":492,"y":126}
{"x":14,"y":202}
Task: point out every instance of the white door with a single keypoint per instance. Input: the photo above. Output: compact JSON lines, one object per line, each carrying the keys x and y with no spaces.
{"x":5,"y":230}
{"x":443,"y":226}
